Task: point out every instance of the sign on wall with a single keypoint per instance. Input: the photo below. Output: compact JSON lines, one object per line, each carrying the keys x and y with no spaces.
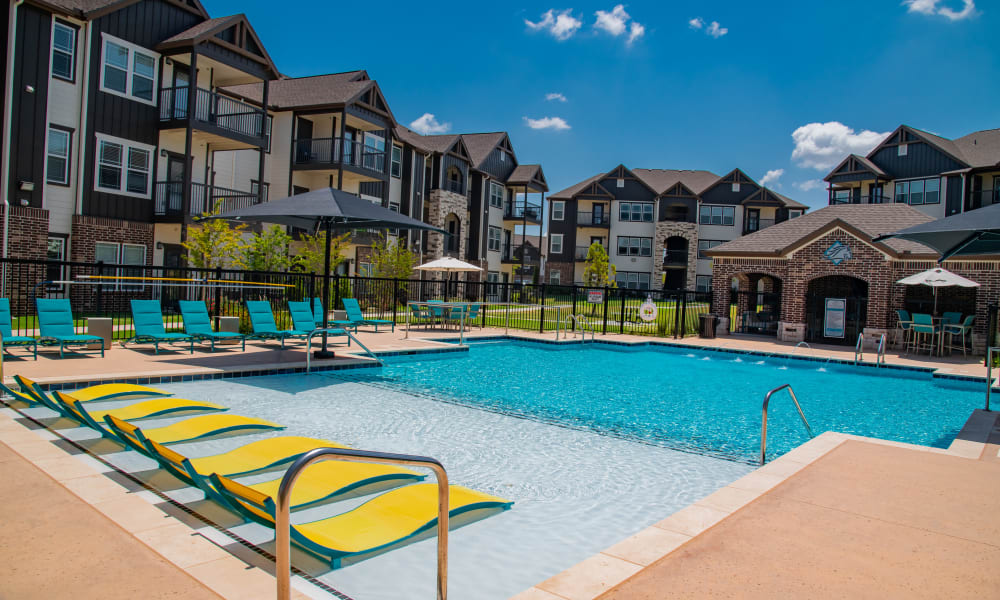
{"x":838,"y":252}
{"x":835,"y":318}
{"x":595,"y":296}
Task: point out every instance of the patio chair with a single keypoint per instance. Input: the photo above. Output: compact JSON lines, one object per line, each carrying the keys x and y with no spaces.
{"x":147,"y":321}
{"x":6,"y":326}
{"x":341,"y":324}
{"x":189,"y":430}
{"x":355,"y":315}
{"x":198,"y":324}
{"x":55,"y":324}
{"x":470,"y":312}
{"x":923,"y":326}
{"x":951,"y":318}
{"x":437,"y":312}
{"x":420,"y":314}
{"x":963,"y":328}
{"x":903,"y":327}
{"x":303,"y":319}
{"x":147,"y":409}
{"x":93,"y":393}
{"x":264,"y":327}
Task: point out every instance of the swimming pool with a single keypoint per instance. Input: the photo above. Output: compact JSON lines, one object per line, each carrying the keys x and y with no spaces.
{"x":592,"y":442}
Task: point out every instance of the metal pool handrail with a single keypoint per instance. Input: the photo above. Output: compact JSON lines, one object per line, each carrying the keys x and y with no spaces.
{"x":859,"y":348}
{"x":763,"y":423}
{"x":315,"y":332}
{"x":880,"y":355}
{"x":282,"y":529}
{"x":583,"y":323}
{"x":990,"y":352}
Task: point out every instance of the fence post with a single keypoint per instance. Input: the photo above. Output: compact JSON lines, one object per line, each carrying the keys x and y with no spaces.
{"x":574,"y":306}
{"x":683,"y":329}
{"x":100,"y":291}
{"x":336,"y":291}
{"x":395,"y":298}
{"x":312,"y":288}
{"x":604,"y":327}
{"x":621,"y":319}
{"x":541,"y":300}
{"x":218,"y":294}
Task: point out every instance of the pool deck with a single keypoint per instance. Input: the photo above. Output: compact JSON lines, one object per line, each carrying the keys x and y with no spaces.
{"x":840,"y":516}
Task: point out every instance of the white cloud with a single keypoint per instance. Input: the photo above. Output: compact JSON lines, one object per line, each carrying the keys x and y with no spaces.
{"x":556,"y":123}
{"x":696,"y":23}
{"x":811,"y":184}
{"x":941,"y":8}
{"x":715,"y":31}
{"x":555,"y":96}
{"x":560,"y":25}
{"x":428,"y":125}
{"x":772,"y":177}
{"x":823,"y":145}
{"x":618,"y":22}
{"x":635,"y":31}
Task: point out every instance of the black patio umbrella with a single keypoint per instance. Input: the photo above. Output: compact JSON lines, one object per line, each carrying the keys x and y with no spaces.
{"x":326,"y":208}
{"x":973,"y":233}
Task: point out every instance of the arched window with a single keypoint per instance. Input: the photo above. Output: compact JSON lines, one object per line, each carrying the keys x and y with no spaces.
{"x":454,"y":228}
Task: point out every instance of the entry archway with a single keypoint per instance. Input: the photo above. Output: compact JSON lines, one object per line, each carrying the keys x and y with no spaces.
{"x":822,"y":295}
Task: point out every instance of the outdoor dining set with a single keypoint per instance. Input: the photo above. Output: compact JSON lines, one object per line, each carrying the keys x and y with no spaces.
{"x":920,"y":331}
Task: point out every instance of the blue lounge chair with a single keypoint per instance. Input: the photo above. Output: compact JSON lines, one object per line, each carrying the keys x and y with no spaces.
{"x":55,"y":323}
{"x":197,"y":323}
{"x":303,"y":319}
{"x":9,"y":339}
{"x":264,"y":327}
{"x":318,"y":316}
{"x":147,"y":320}
{"x":355,"y":315}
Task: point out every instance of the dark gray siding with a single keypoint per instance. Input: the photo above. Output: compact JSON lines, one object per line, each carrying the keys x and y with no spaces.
{"x":632,"y":190}
{"x":476,"y":215}
{"x":852,"y":177}
{"x":921,"y":160}
{"x":145,"y":24}
{"x":498,"y":169}
{"x":28,"y":127}
{"x":567,"y":227}
{"x":690,"y":202}
{"x":463,"y":166}
{"x":234,"y":59}
{"x":953,"y":195}
{"x":722,"y":193}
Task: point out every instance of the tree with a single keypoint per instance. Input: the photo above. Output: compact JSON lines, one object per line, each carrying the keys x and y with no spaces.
{"x":267,"y":250}
{"x":393,"y":260}
{"x":599,"y":271}
{"x":213,"y":243}
{"x":312,"y":253}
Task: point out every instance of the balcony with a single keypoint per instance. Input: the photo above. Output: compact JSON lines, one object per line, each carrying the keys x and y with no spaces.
{"x":591,"y":219}
{"x":877,"y":199}
{"x":513,"y":211}
{"x":169,"y":199}
{"x":510,"y":254}
{"x":213,"y":112}
{"x":581,"y":253}
{"x":675,"y":258}
{"x":981,"y":198}
{"x":331,"y":153}
{"x":452,"y":185}
{"x":755,"y":227}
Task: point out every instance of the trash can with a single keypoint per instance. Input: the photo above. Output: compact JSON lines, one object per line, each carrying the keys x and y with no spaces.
{"x":706,"y":325}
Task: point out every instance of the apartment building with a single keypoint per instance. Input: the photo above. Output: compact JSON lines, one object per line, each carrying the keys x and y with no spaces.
{"x":113,"y":114}
{"x":937,"y":176}
{"x":656,"y":224}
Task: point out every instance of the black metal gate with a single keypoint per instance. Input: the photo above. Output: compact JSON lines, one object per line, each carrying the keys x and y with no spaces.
{"x":754,"y":312}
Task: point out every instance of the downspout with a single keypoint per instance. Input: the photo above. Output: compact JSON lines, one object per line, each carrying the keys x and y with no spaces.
{"x":82,"y":139}
{"x":7,"y":117}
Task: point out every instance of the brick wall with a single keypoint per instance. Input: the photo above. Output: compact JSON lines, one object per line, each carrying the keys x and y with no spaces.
{"x":667,"y":229}
{"x":566,"y":272}
{"x":88,"y":230}
{"x":440,"y":204}
{"x":29,"y":232}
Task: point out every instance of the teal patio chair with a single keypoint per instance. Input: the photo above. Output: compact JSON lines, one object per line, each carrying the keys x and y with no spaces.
{"x":420,"y":314}
{"x":6,"y":326}
{"x":964,"y":328}
{"x":437,"y":312}
{"x":471,"y":312}
{"x":903,"y":327}
{"x":951,"y":318}
{"x":264,"y":327}
{"x":923,"y":326}
{"x":318,"y":313}
{"x":198,"y":324}
{"x":355,"y":315}
{"x":55,"y":324}
{"x":303,"y":319}
{"x":147,"y":321}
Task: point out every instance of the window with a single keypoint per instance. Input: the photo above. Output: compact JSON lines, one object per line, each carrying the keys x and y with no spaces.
{"x":496,"y":194}
{"x":556,"y":243}
{"x":919,"y":191}
{"x":704,"y":245}
{"x":736,"y":187}
{"x":794,"y":212}
{"x":554,"y":277}
{"x":254,"y":184}
{"x":620,"y":183}
{"x":902,"y":149}
{"x":394,"y":207}
{"x":703,"y":283}
{"x":493,"y":239}
{"x":364,"y":269}
{"x":632,"y":280}
{"x":57,"y":156}
{"x":128,"y":70}
{"x":558,"y":210}
{"x":396,"y":166}
{"x":123,"y":167}
{"x":63,"y":51}
{"x":503,"y":156}
{"x":635,"y":246}
{"x":635,"y":211}
{"x":55,"y":251}
{"x":268,"y":123}
{"x":841,"y":197}
{"x":112,"y":253}
{"x":717,"y":215}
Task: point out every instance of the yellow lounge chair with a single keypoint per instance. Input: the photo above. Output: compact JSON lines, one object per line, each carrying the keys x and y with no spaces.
{"x":104,"y":391}
{"x":147,"y":409}
{"x":20,"y":396}
{"x":319,"y":483}
{"x":383,"y":521}
{"x":188,"y":430}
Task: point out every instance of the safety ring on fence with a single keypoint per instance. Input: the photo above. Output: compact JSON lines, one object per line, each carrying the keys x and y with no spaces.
{"x":647,"y":310}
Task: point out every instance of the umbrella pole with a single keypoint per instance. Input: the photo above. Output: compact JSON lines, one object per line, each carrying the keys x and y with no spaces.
{"x":324,"y":353}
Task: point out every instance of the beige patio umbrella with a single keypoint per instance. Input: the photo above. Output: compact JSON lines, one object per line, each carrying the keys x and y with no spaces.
{"x":936,"y":278}
{"x":448,"y":264}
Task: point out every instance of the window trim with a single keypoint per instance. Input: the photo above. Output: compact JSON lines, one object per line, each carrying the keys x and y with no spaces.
{"x":700,"y":277}
{"x":903,"y":150}
{"x":132,"y":49}
{"x":638,"y":275}
{"x":52,"y":50}
{"x":396,"y":166}
{"x":552,"y":243}
{"x":494,"y":185}
{"x":489,"y":238}
{"x":63,"y":238}
{"x":723,"y":208}
{"x":555,"y":277}
{"x":562,"y":210}
{"x":642,"y":214}
{"x":906,"y":185}
{"x":69,"y":155}
{"x":126,"y":145}
{"x":267,"y":189}
{"x":629,"y":246}
{"x":268,"y":128}
{"x":700,"y":251}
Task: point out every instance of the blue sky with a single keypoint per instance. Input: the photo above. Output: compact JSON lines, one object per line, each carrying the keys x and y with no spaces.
{"x":692,"y":85}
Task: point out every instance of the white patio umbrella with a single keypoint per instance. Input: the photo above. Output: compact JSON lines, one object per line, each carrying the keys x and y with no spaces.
{"x":448,"y":265}
{"x":936,"y":278}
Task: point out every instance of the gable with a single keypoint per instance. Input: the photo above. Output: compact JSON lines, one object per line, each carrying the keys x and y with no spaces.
{"x":679,"y":189}
{"x":721,"y":192}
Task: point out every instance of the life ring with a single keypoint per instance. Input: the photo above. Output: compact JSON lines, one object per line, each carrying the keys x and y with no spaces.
{"x":648,"y":310}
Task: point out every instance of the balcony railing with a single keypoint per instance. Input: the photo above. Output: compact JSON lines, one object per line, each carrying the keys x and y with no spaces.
{"x":581,"y":252}
{"x":454,"y":186}
{"x":337,"y":152}
{"x":877,"y":199}
{"x":593,"y":219}
{"x":981,"y":198}
{"x":519,"y":211}
{"x":170,"y":198}
{"x":760,"y":224}
{"x":675,"y":258}
{"x":212,"y":108}
{"x":511,"y":253}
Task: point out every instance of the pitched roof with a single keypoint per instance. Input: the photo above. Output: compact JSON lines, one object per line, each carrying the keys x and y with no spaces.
{"x":980,"y":148}
{"x":789,"y":203}
{"x":661,"y":180}
{"x":412,"y":138}
{"x":88,"y":8}
{"x":868,"y":220}
{"x":439,"y":143}
{"x":481,"y":144}
{"x":568,"y":193}
{"x":530,"y":175}
{"x":300,"y":92}
{"x":202,"y":29}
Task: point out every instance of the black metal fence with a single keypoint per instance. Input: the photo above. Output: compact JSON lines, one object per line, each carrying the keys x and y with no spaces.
{"x":104,"y":290}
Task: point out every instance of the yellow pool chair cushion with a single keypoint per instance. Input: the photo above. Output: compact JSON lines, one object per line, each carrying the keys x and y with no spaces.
{"x":104,"y":391}
{"x":146,"y":409}
{"x":197,"y":428}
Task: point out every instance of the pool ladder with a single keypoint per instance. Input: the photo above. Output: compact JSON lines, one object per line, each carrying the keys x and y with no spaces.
{"x":859,"y":350}
{"x":349,"y":335}
{"x":763,"y":423}
{"x":581,"y":322}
